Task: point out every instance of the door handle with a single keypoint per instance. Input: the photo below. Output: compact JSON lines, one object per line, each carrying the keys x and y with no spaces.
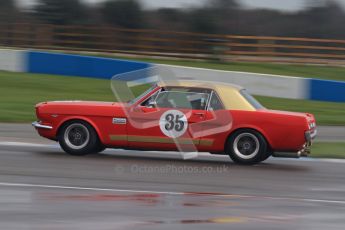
{"x":199,"y":114}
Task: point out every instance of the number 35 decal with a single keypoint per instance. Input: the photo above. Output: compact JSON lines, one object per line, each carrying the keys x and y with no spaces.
{"x":173,"y":123}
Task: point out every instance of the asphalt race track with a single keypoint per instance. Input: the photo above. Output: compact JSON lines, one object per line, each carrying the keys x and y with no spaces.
{"x":42,"y":188}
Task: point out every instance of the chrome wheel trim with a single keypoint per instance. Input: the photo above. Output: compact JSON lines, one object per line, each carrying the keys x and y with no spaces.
{"x":246,"y":146}
{"x":76,"y":136}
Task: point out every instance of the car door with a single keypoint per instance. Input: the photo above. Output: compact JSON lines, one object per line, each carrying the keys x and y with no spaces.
{"x":164,"y":121}
{"x":216,"y":126}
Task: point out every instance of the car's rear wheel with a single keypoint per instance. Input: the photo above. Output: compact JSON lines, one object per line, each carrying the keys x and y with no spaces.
{"x":78,"y":138}
{"x":247,"y":146}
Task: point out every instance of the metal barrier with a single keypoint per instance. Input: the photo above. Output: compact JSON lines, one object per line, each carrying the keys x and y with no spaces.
{"x":105,"y":68}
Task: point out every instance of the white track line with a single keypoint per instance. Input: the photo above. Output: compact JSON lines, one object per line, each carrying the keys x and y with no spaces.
{"x":86,"y":188}
{"x":21,"y":185}
{"x":23,"y":144}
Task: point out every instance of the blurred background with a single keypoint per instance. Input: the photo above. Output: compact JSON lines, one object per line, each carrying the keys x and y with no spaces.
{"x":295,"y":38}
{"x":295,"y":18}
{"x":289,"y":53}
{"x":302,"y":31}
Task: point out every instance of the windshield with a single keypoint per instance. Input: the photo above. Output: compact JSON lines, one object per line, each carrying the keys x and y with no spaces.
{"x":251,"y":99}
{"x":144,"y":94}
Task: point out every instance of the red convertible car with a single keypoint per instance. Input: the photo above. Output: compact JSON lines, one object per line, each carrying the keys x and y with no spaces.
{"x":186,"y":116}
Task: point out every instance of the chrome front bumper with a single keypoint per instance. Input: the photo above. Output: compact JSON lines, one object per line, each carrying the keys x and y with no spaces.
{"x":38,"y":125}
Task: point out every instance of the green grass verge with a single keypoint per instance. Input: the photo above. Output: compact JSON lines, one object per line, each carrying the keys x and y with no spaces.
{"x":328,"y":150}
{"x":19,"y":93}
{"x":326,"y":113}
{"x":306,"y":71}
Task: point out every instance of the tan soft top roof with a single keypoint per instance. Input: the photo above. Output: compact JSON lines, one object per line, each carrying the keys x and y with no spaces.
{"x":230,"y":94}
{"x":199,"y":84}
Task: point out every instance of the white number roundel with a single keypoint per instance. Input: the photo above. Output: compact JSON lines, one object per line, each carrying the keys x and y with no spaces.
{"x":173,"y":123}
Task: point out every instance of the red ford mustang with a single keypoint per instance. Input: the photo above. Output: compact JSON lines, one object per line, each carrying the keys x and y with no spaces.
{"x":185,"y":116}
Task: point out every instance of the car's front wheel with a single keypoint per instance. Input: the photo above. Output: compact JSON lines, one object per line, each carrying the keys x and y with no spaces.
{"x":246,"y":147}
{"x":78,"y":138}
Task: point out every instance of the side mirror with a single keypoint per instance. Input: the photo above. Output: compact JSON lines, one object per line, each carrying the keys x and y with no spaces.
{"x":152,"y":104}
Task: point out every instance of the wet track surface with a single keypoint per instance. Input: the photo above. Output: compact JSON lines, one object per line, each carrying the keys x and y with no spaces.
{"x":42,"y":188}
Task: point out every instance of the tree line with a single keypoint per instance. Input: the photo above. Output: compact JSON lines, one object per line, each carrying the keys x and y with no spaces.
{"x":322,"y":20}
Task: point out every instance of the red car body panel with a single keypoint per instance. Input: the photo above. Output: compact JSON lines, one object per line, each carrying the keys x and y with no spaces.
{"x":284,"y":131}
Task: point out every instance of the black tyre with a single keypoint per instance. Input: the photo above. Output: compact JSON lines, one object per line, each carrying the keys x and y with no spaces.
{"x":78,"y":138}
{"x":247,"y":146}
{"x":266,"y":156}
{"x":99,"y":148}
